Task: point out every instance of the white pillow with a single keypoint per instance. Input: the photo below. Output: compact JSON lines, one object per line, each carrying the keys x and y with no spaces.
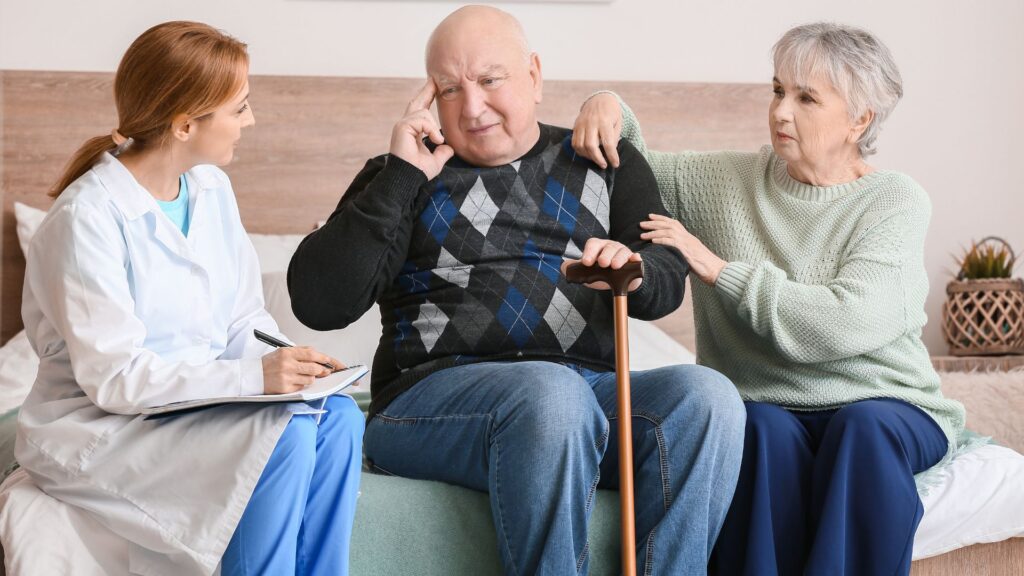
{"x":18,"y":362}
{"x":28,"y":220}
{"x":650,"y":347}
{"x":980,"y":498}
{"x":275,"y":250}
{"x":355,"y":344}
{"x":18,"y":367}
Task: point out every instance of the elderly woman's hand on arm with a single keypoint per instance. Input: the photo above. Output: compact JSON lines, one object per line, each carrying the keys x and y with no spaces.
{"x":703,"y":262}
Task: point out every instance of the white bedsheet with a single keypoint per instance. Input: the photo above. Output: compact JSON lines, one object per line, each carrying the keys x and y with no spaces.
{"x":981,"y":501}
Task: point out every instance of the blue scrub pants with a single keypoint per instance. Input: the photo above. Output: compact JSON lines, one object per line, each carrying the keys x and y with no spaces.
{"x":828,"y":492}
{"x":299,"y":519}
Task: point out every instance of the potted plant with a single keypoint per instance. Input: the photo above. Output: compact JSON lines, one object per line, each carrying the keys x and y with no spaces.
{"x":984,"y":312}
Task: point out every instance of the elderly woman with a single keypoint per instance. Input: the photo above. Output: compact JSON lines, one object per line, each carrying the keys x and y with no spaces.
{"x":811,"y":296}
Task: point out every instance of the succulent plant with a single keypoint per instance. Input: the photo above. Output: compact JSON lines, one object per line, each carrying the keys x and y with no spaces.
{"x":991,"y":258}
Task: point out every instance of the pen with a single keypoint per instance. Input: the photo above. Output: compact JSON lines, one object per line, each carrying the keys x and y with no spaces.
{"x":268,"y":339}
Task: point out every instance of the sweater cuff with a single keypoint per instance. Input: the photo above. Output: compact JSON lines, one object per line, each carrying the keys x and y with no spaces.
{"x":641,"y":293}
{"x":733,"y":280}
{"x":401,"y":178}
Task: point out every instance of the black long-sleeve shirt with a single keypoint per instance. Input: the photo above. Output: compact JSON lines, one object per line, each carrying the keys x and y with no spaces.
{"x":466,"y":266}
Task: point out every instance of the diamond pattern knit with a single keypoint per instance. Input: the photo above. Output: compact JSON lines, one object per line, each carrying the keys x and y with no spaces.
{"x":482,"y":277}
{"x":466,"y":267}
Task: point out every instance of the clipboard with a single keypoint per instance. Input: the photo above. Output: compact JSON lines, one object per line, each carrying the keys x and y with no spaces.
{"x":321,"y":388}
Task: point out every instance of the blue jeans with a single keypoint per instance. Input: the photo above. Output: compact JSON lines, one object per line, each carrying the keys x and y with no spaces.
{"x":540,"y":438}
{"x":299,"y":518}
{"x":829,"y":492}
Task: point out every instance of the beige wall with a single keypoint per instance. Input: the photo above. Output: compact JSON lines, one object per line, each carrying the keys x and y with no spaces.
{"x":958,"y":130}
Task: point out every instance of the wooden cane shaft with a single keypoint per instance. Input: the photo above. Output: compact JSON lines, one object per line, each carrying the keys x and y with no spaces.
{"x":625,"y":414}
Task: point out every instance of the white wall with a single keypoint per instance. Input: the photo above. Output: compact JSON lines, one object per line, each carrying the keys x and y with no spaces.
{"x":958,"y":130}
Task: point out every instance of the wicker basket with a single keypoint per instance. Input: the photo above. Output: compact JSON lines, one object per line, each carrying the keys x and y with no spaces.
{"x":984,"y":317}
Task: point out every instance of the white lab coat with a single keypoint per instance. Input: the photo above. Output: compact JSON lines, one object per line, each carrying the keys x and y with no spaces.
{"x":125,"y":312}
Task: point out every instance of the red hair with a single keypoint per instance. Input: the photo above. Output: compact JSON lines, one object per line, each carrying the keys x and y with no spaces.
{"x":173,"y":68}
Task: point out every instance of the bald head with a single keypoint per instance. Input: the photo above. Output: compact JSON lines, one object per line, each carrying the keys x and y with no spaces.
{"x":478,"y":20}
{"x":488,"y":85}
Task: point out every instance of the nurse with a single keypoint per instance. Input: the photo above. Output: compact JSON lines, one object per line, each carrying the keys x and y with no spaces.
{"x":142,"y":289}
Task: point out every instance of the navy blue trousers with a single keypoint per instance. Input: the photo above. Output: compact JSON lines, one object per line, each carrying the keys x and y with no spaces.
{"x":828,"y":492}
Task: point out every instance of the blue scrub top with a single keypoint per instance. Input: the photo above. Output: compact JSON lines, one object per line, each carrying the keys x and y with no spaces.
{"x":177,"y":209}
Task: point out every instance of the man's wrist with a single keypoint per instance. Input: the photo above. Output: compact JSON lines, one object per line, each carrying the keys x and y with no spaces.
{"x":401,"y":177}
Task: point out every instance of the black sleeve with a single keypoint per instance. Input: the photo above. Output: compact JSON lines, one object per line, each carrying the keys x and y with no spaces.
{"x":340,"y":270}
{"x":634,"y":196}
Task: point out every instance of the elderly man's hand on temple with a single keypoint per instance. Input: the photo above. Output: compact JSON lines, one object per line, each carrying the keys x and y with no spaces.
{"x":598,"y":126}
{"x":407,"y":135}
{"x":606,"y":254}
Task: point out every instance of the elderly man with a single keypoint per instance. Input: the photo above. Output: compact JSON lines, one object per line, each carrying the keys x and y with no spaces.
{"x":493,"y":372}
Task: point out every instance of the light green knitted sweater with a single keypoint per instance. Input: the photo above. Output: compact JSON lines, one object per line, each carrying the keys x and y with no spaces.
{"x":822,"y":302}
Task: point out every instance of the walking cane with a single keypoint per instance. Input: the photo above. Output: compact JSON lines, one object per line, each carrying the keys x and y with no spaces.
{"x":619,"y":281}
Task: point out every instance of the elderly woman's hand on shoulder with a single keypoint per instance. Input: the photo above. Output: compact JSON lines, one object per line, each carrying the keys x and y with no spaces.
{"x":703,"y":262}
{"x":595,"y":135}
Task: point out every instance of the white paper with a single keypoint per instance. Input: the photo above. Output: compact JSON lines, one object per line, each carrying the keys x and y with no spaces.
{"x":321,"y":388}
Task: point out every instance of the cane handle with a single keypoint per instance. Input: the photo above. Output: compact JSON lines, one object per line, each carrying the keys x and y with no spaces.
{"x":618,"y":279}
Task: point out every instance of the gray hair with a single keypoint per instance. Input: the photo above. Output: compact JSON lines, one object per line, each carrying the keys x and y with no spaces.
{"x":859,"y":66}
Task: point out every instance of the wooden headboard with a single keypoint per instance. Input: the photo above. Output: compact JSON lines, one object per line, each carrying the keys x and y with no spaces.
{"x":312,"y":135}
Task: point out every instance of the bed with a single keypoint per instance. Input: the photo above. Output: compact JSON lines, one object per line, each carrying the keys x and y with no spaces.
{"x":312,"y":135}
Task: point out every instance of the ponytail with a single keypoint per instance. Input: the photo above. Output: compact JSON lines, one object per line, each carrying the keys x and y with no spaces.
{"x":85,"y":158}
{"x":173,"y":68}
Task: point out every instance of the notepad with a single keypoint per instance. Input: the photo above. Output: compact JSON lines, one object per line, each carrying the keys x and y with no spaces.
{"x":320,"y":388}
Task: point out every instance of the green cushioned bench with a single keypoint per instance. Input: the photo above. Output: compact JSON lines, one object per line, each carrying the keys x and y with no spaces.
{"x":423,"y":528}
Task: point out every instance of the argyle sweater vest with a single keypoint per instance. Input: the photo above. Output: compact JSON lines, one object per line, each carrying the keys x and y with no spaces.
{"x":482,"y":279}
